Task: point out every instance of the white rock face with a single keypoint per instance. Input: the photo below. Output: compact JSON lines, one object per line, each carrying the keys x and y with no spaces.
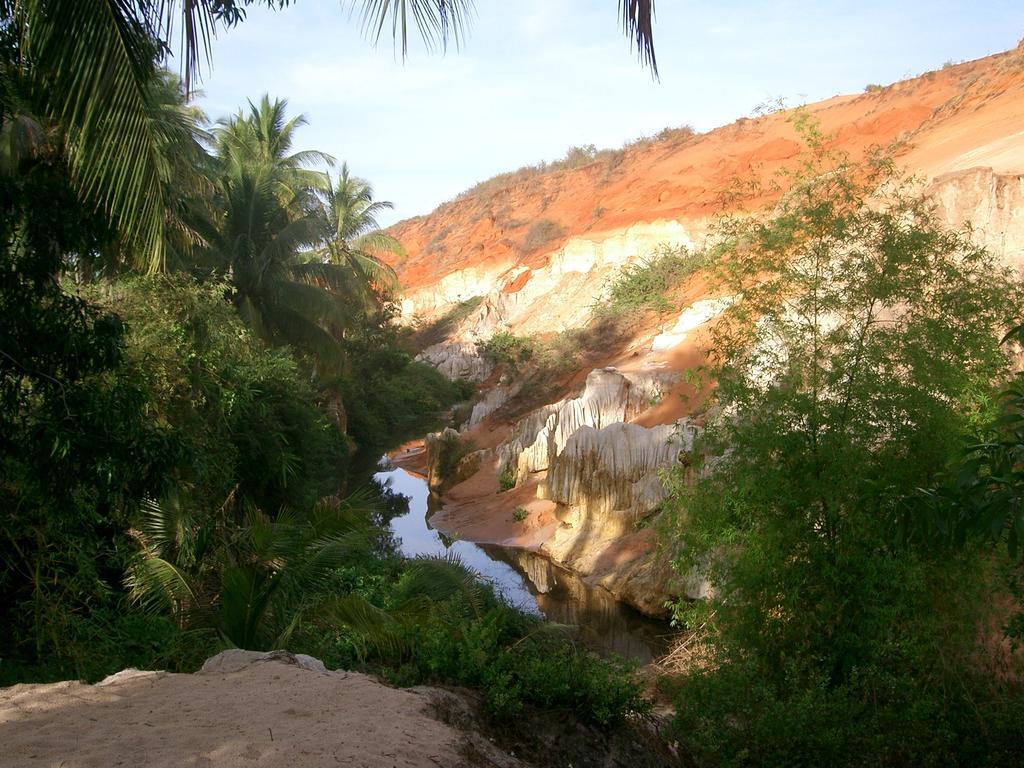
{"x":993,"y":203}
{"x":615,"y":469}
{"x":609,"y":397}
{"x":453,"y":288}
{"x":493,"y":400}
{"x":457,"y":360}
{"x":605,"y":481}
{"x":603,"y":475}
{"x":689,"y":320}
{"x":556,"y":296}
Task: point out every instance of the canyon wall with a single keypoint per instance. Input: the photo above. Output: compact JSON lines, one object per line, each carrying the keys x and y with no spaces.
{"x":595,"y":455}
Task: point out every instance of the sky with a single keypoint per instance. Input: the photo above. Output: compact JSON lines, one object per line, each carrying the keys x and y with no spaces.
{"x":536,"y":77}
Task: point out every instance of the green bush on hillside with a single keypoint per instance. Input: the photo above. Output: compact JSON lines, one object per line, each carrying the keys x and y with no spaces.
{"x":643,"y":286}
{"x":540,"y":233}
{"x":506,"y":348}
{"x":437,"y":623}
{"x":865,"y":345}
{"x":389,"y":397}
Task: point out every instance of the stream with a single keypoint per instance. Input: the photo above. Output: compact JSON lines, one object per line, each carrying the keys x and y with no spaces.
{"x":529,"y":581}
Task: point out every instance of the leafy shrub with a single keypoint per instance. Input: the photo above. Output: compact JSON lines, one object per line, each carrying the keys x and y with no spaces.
{"x":246,"y":413}
{"x":681,"y":133}
{"x":576,"y":157}
{"x":389,"y":397}
{"x":439,"y":624}
{"x":505,"y":348}
{"x":520,"y":513}
{"x":507,"y":478}
{"x":426,"y":335}
{"x":451,"y":451}
{"x":540,"y":233}
{"x":731,"y":716}
{"x":642,"y":286}
{"x":844,"y":383}
{"x":77,"y":449}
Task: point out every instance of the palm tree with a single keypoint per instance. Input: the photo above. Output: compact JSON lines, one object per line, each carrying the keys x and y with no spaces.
{"x":356,"y":239}
{"x":184,"y":167}
{"x":263,"y":139}
{"x":280,"y":235}
{"x":89,"y":62}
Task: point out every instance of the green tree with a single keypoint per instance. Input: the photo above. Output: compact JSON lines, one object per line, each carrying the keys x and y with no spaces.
{"x":355,"y":241}
{"x":863,"y":341}
{"x":77,"y":452}
{"x":249,"y":580}
{"x":269,"y":212}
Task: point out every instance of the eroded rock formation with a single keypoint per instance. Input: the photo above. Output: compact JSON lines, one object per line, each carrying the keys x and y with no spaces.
{"x":596,"y":454}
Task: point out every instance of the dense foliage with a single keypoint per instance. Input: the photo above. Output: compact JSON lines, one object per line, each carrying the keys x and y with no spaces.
{"x":76,"y":449}
{"x":178,"y":432}
{"x":433,"y":621}
{"x":177,"y":450}
{"x":863,"y":345}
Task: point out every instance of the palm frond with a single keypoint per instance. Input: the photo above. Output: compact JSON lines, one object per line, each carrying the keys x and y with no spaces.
{"x":154,"y":583}
{"x":164,"y":524}
{"x":312,"y":302}
{"x":295,"y":328}
{"x":441,"y":578}
{"x":380,"y":242}
{"x":90,"y":62}
{"x":244,"y":598}
{"x":346,"y":283}
{"x":374,"y":627}
{"x":637,"y":18}
{"x":439,"y":22}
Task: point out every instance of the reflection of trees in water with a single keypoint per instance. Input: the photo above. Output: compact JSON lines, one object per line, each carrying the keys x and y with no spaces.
{"x":392,"y":503}
{"x":605,"y":623}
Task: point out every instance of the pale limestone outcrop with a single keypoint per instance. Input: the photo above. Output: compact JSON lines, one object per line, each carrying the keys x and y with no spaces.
{"x":608,"y":397}
{"x":457,"y":360}
{"x":529,"y":300}
{"x":614,"y":470}
{"x":690,"y":319}
{"x":646,"y":582}
{"x":454,"y":287}
{"x":492,"y":401}
{"x":604,"y":482}
{"x":448,"y":461}
{"x":992,"y":203}
{"x":603,"y":475}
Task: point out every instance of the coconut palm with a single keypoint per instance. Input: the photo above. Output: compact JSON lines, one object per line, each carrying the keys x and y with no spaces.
{"x":88,"y":63}
{"x":355,"y":240}
{"x":262,"y":140}
{"x":271,"y":225}
{"x":184,"y":167}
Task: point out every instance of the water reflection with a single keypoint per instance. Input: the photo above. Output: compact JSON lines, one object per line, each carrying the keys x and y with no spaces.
{"x":529,"y":581}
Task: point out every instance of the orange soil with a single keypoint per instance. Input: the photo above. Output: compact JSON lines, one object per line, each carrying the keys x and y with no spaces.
{"x":943,"y":122}
{"x":959,"y":117}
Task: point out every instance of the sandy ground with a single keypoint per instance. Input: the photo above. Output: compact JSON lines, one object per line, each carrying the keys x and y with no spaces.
{"x":242,"y":710}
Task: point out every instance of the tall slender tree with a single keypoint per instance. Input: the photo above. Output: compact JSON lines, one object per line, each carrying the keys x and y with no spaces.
{"x":355,"y":240}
